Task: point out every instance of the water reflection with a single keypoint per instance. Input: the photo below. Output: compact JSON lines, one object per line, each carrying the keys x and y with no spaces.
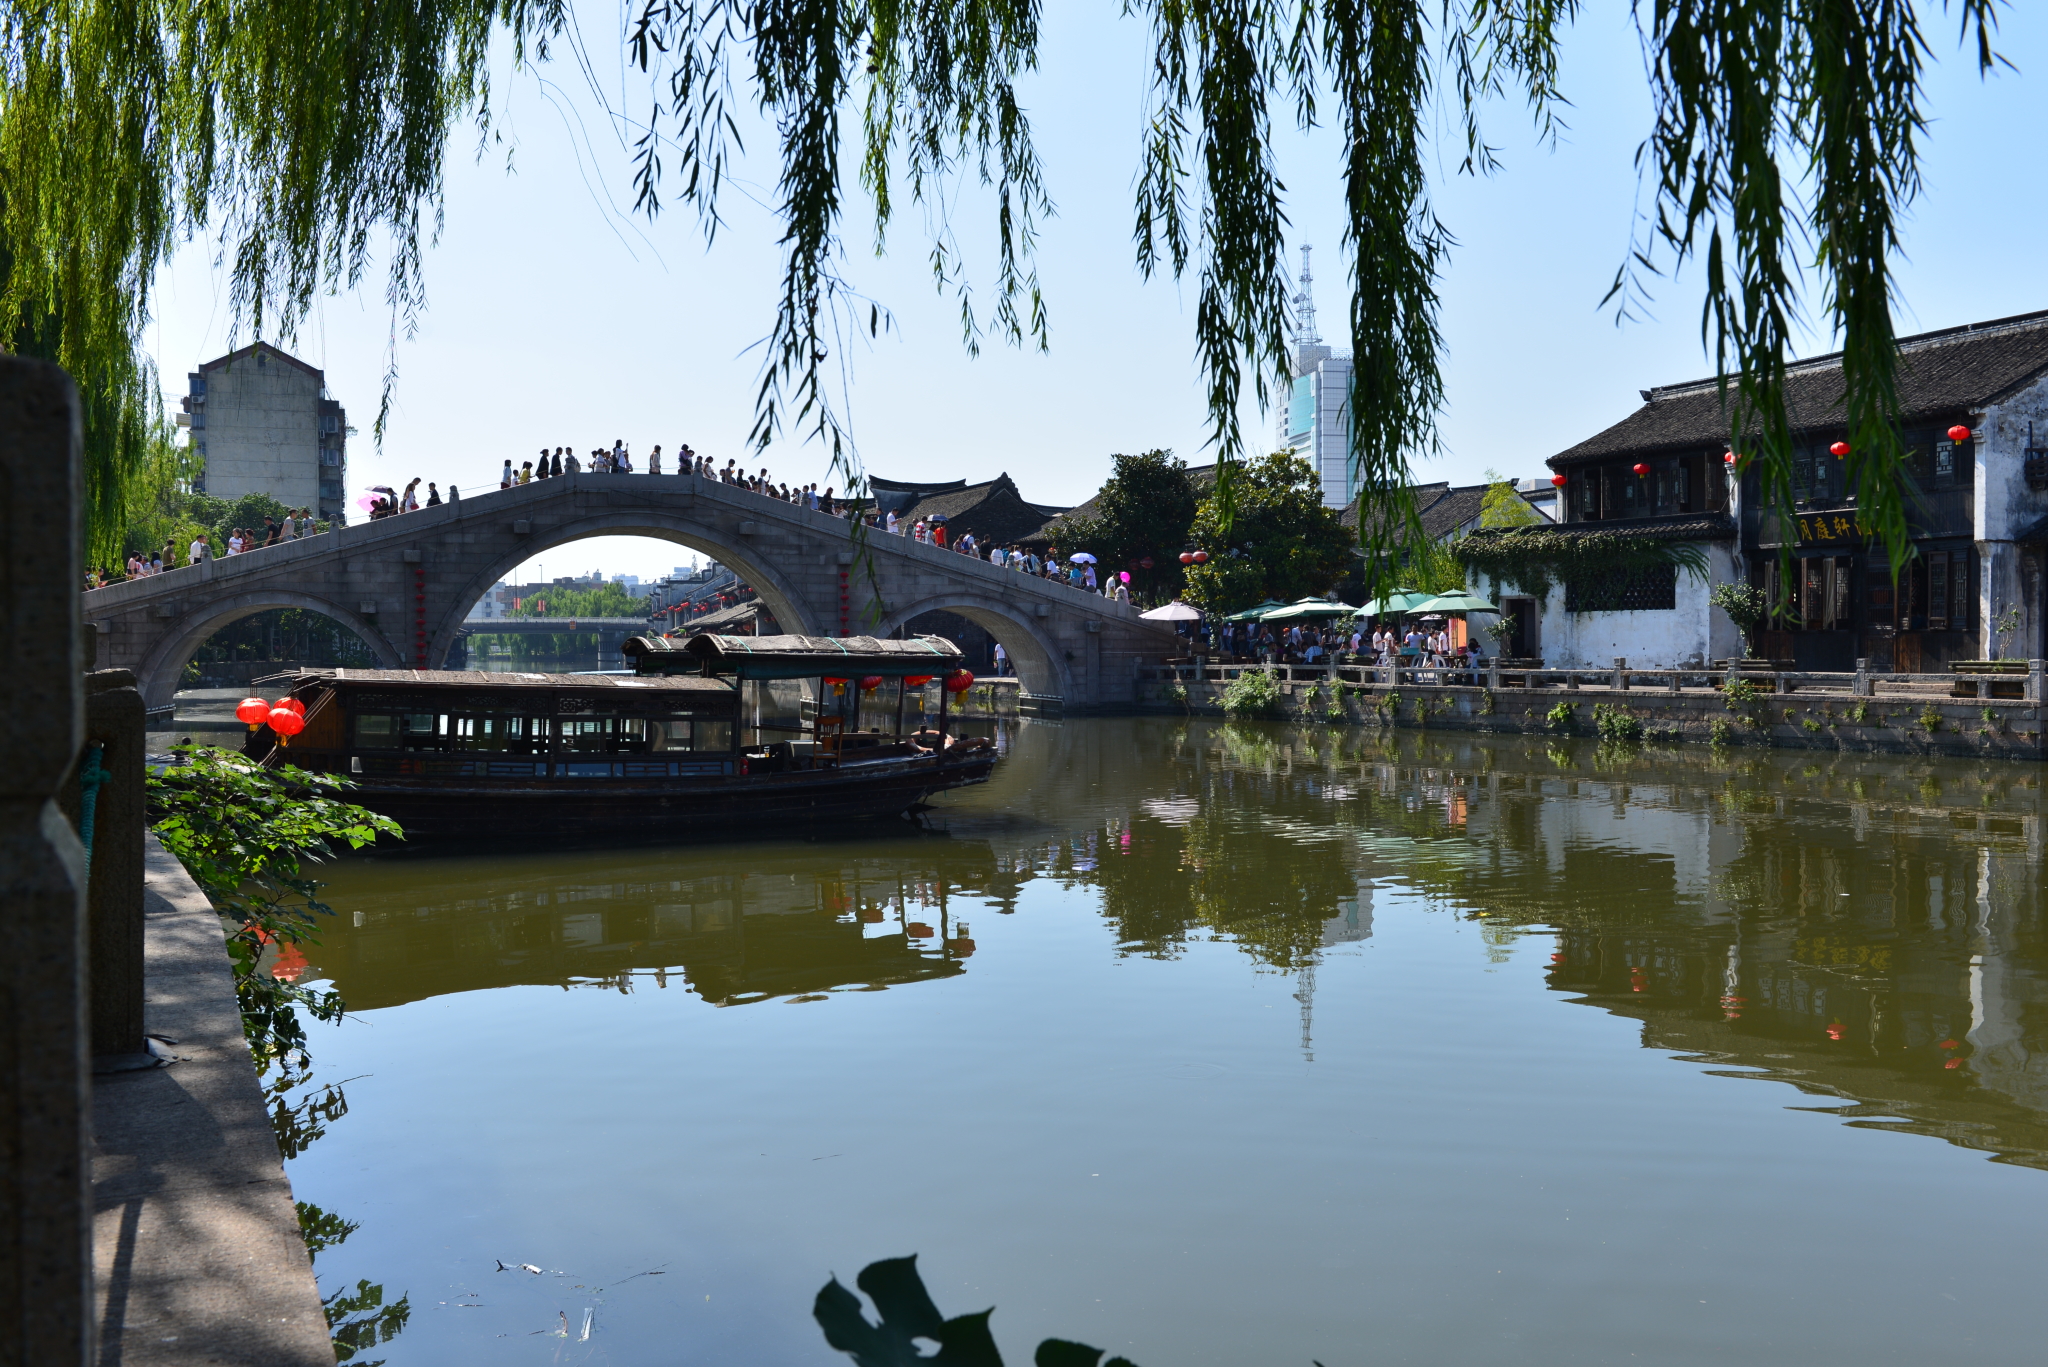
{"x":1868,"y":929}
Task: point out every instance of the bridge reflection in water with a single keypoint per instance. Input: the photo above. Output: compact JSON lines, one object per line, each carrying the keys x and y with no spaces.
{"x":1869,"y":930}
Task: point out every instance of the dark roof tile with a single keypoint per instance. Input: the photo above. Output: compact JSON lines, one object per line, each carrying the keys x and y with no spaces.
{"x":1941,"y":374}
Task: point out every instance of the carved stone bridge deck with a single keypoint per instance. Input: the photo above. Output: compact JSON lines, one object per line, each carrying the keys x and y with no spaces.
{"x":405,"y":584}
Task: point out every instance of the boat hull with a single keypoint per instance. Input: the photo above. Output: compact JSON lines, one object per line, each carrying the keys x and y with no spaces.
{"x":807,"y":802}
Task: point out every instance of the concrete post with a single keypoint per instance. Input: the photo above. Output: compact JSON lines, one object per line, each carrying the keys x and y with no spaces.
{"x":45,"y":1199}
{"x":1493,"y":674}
{"x":1621,"y":673}
{"x":114,"y":722}
{"x":2034,"y":690}
{"x":1859,"y":687}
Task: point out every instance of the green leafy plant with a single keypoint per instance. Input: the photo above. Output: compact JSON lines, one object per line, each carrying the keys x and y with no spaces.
{"x":1388,"y":708}
{"x":1860,"y":713}
{"x":1253,"y":693}
{"x":1719,"y":732}
{"x":1535,"y":559}
{"x":1177,"y":693}
{"x":1930,"y":719}
{"x":246,"y":834}
{"x":1746,"y":606}
{"x":1561,"y":717}
{"x":1740,"y":693}
{"x":1810,"y":725}
{"x":2004,"y":627}
{"x":1616,"y":723}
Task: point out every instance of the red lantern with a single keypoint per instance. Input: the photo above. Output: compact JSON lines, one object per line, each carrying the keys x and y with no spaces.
{"x":1642,"y":469}
{"x":959,"y":681}
{"x":1959,"y":433}
{"x":1201,"y":557}
{"x":1187,"y":557}
{"x":870,"y":683}
{"x":254,"y":711}
{"x":1557,"y":480}
{"x":1146,"y":563}
{"x":1727,"y":457}
{"x":1839,"y":449}
{"x":294,"y":704}
{"x":917,"y":681}
{"x":286,"y":723}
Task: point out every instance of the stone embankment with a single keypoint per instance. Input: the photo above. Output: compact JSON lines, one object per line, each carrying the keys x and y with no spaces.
{"x":1872,"y":713}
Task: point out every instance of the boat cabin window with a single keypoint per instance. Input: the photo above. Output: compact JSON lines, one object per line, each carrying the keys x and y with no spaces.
{"x":403,"y":730}
{"x":511,"y":735}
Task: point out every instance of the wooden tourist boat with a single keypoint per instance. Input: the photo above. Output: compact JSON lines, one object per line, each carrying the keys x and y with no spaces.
{"x":679,"y":749}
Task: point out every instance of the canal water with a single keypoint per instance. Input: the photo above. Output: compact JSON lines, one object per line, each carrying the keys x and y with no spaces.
{"x":1228,"y":1044}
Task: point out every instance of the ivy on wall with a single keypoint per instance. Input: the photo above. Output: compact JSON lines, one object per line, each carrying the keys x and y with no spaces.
{"x":1533,"y":559}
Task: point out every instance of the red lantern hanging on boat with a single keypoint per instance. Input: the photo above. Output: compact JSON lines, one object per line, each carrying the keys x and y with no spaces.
{"x":286,"y":723}
{"x":1642,"y":468}
{"x":917,"y":680}
{"x":254,"y":711}
{"x":294,"y":704}
{"x":1959,"y":433}
{"x":959,"y":681}
{"x":838,"y":685}
{"x":869,"y":683}
{"x":1839,"y":449}
{"x":1201,"y":557}
{"x":1557,"y":480}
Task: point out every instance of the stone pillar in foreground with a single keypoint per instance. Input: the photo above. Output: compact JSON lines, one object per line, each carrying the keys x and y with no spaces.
{"x":45,"y":1203}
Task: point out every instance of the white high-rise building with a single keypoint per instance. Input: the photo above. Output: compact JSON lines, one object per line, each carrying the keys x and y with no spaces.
{"x":1316,"y":420}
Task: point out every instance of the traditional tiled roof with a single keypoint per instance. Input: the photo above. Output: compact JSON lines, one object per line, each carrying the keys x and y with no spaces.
{"x":1945,"y":374}
{"x":993,"y":511}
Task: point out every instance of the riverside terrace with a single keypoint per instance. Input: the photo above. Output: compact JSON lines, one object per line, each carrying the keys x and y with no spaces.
{"x":1989,"y":715}
{"x":406,"y":584}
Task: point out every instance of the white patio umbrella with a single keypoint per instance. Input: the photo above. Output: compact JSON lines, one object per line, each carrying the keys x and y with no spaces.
{"x":1175,"y":611}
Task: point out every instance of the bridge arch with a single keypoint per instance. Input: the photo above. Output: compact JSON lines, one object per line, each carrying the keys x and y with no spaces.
{"x":773,"y":587}
{"x":157,"y":678}
{"x":1040,"y":660}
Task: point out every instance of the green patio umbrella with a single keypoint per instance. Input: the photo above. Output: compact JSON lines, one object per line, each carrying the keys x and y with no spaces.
{"x":1308,"y":608}
{"x":1254,"y":614}
{"x":1399,"y":601}
{"x":1454,"y":602}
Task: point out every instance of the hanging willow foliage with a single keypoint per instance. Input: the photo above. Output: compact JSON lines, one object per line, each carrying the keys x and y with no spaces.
{"x":298,"y":135}
{"x":298,"y":130}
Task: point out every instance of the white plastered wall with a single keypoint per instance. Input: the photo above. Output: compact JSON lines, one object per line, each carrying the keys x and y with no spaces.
{"x":1692,"y":635}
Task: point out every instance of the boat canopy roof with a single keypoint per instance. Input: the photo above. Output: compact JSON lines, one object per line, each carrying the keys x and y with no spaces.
{"x":793,"y":657}
{"x":469,"y":679}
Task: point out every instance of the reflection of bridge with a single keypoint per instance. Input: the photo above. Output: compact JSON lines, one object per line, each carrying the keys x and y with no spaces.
{"x":611,"y":632}
{"x":406,"y":584}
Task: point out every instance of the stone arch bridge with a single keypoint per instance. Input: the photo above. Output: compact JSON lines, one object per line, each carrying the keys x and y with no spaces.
{"x":405,"y":584}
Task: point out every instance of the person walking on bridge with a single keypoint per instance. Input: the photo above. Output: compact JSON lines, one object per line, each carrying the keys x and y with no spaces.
{"x":505,"y":479}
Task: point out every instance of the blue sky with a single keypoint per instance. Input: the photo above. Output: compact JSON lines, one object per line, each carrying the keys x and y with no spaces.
{"x":556,"y":317}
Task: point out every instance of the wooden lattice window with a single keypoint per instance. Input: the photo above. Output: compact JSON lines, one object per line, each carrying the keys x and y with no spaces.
{"x":1654,"y":589}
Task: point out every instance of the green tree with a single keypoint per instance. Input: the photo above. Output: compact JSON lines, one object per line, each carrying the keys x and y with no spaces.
{"x":1280,"y":541}
{"x":1784,"y":142}
{"x":606,"y":600}
{"x":1503,"y":505}
{"x":1145,"y":510}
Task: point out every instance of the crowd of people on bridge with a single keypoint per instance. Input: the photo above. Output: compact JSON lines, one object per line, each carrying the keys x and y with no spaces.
{"x":618,"y":460}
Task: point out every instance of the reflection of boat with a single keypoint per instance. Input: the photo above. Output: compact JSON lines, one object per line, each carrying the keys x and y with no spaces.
{"x":826,"y":919}
{"x":450,"y":752}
